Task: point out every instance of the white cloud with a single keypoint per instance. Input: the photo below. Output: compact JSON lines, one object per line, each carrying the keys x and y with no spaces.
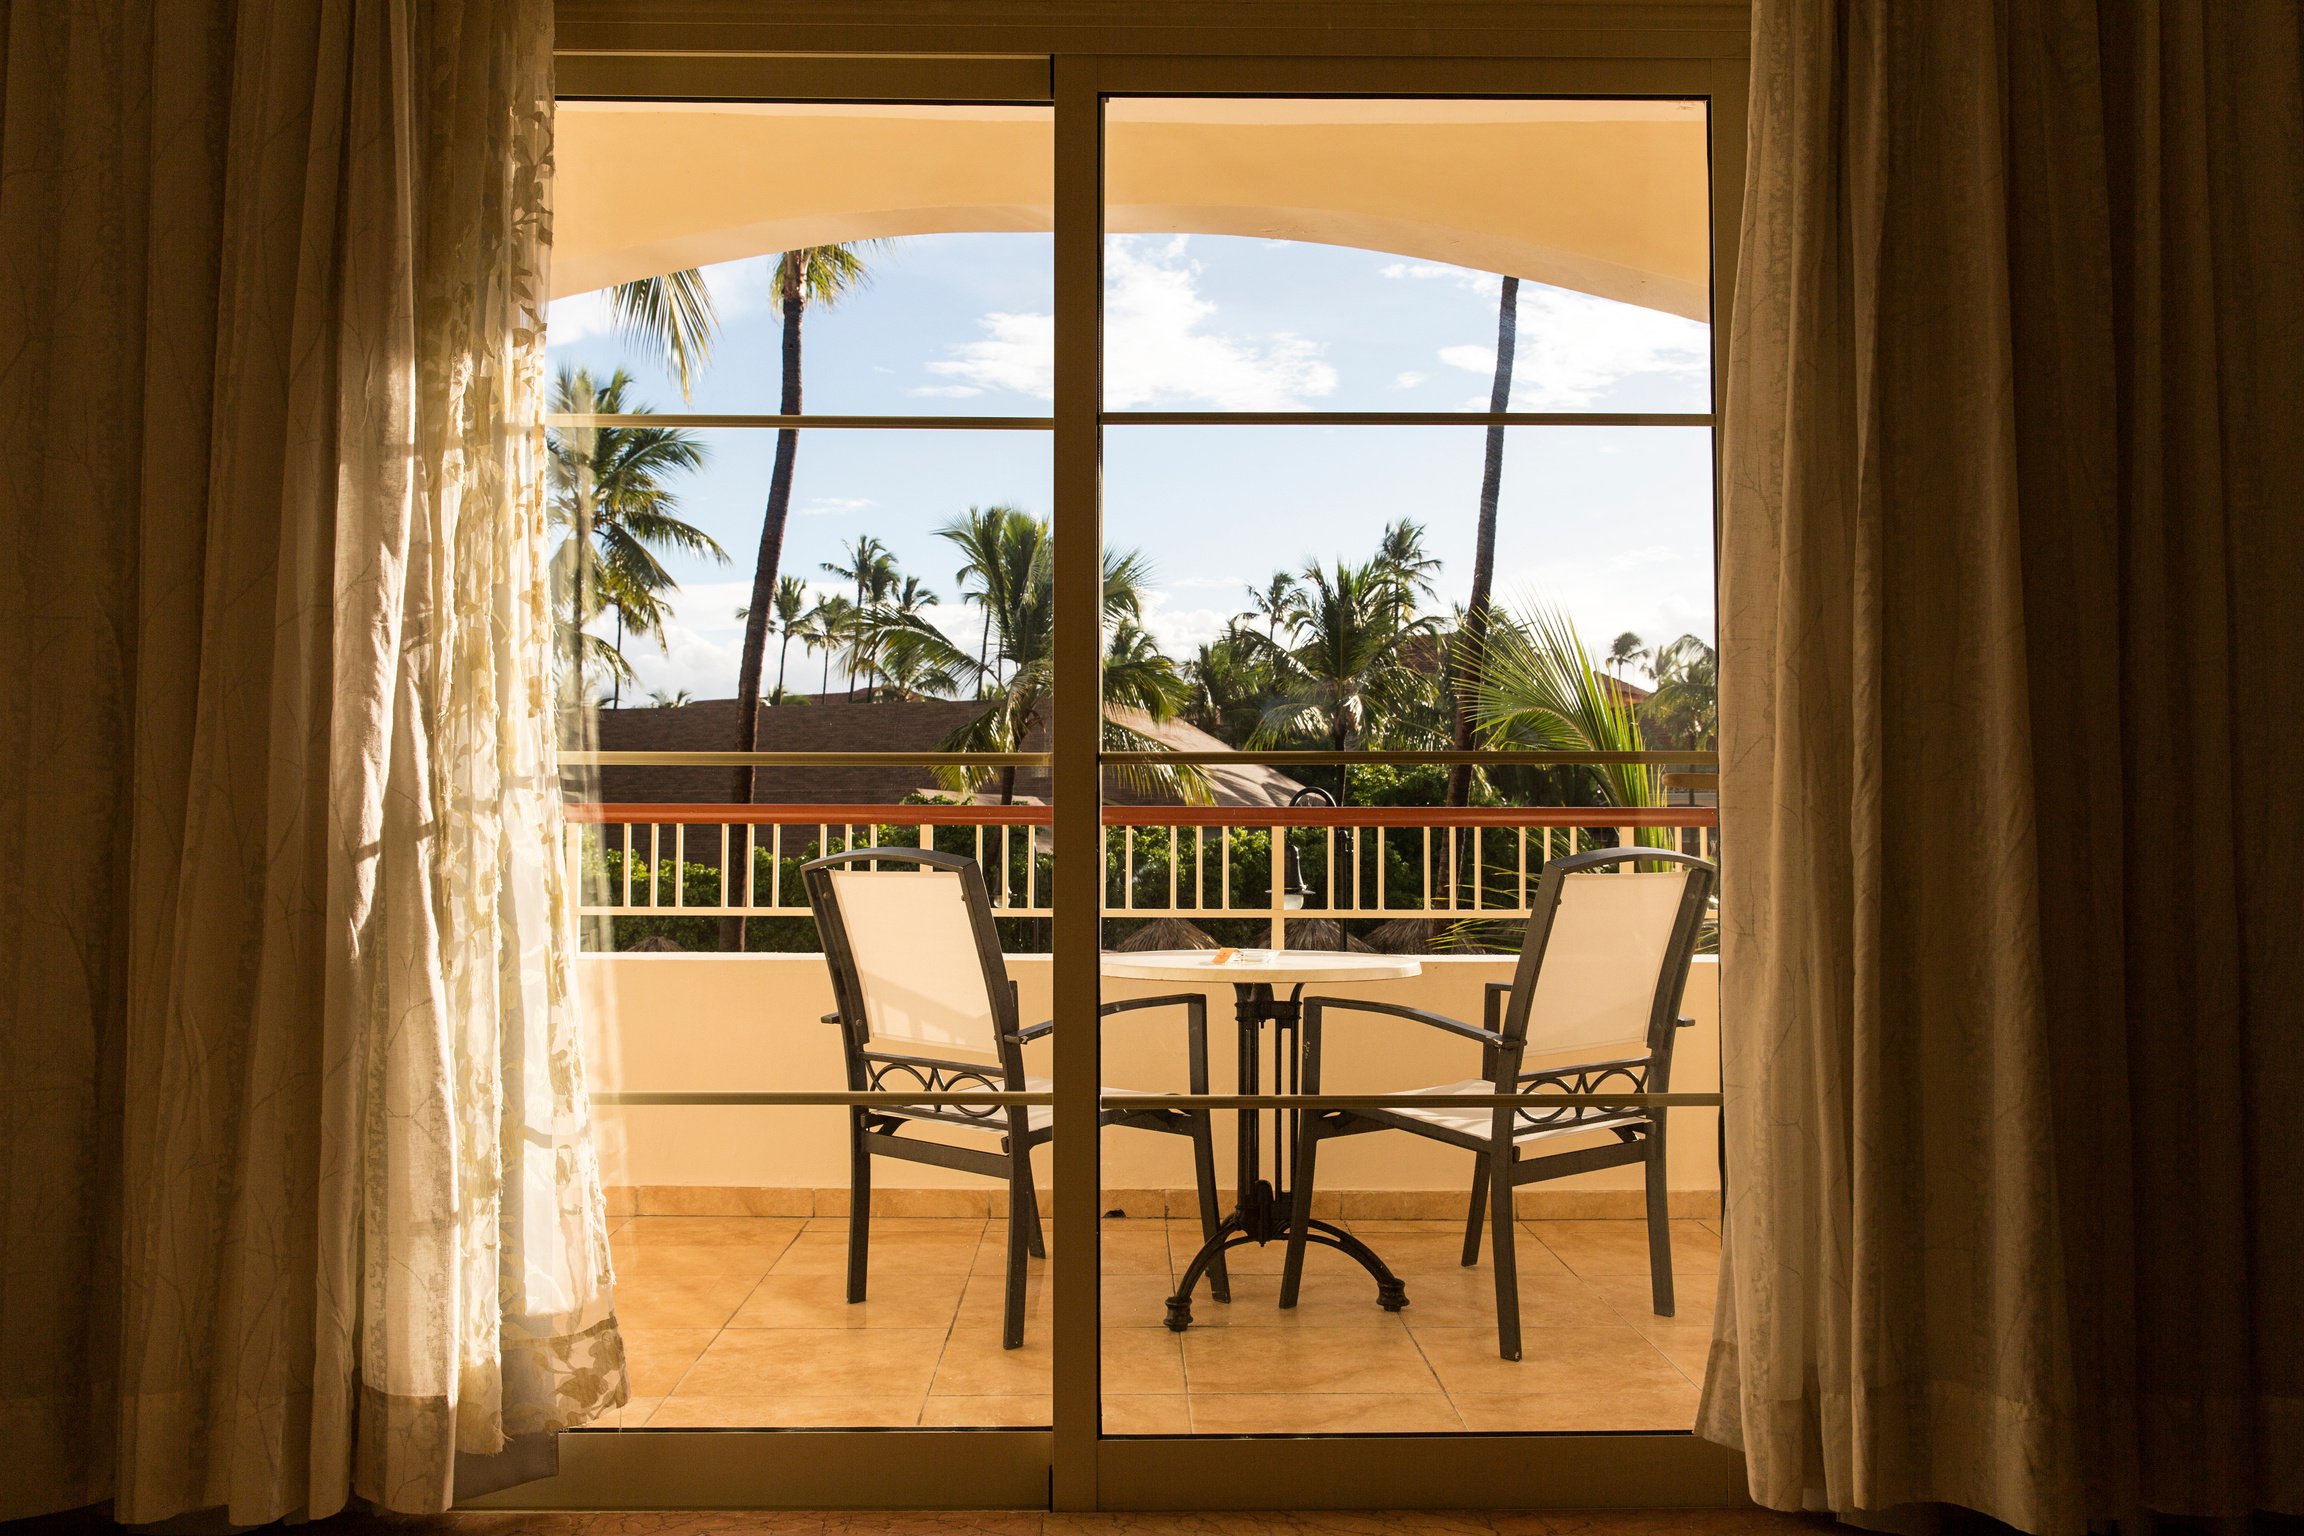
{"x":944,"y":391}
{"x":1470,"y":279}
{"x":579,"y":317}
{"x":1160,"y":354}
{"x":1016,"y":352}
{"x":1156,"y":337}
{"x":1181,"y":631}
{"x":836,"y":506}
{"x":1572,"y":348}
{"x":1410,"y":379}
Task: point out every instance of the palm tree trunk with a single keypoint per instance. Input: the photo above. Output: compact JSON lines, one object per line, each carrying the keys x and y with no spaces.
{"x":616,"y":684}
{"x":1472,"y":653}
{"x":771,"y":556}
{"x":783,"y":658}
{"x":771,"y":536}
{"x":824,"y":689}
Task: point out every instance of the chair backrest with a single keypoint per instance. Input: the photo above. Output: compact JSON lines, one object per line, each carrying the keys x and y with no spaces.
{"x":915,"y":959}
{"x":1607,"y":952}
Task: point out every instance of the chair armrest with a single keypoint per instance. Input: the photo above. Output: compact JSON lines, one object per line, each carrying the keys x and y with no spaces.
{"x":1685,"y":1023}
{"x":1032,"y":1032}
{"x":1172,"y":1000}
{"x":1417,"y":1015}
{"x":831,"y":1018}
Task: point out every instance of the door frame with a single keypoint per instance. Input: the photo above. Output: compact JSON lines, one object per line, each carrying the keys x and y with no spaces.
{"x":1071,"y":55}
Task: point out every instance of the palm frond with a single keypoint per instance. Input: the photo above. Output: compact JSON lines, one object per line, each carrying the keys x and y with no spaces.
{"x":672,"y":317}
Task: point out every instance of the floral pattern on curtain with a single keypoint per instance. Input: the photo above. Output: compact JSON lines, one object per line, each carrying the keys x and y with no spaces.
{"x":302,"y":1197}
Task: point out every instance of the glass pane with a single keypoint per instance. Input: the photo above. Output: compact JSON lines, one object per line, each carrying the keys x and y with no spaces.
{"x":1606,"y":532}
{"x":926,"y":288}
{"x":1349,"y":254}
{"x":732,"y":1266}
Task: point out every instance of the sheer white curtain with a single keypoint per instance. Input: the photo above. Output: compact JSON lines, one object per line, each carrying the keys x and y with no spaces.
{"x":301,"y":1195}
{"x":2013,"y":536}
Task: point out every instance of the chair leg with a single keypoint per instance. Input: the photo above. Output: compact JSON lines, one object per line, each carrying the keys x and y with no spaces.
{"x":1659,"y":1224}
{"x":1035,"y":1244}
{"x":1300,"y":1222}
{"x":1204,"y":1177}
{"x":1473,"y":1215}
{"x":1501,"y":1241}
{"x":1022,"y":1222}
{"x":859,"y":1204}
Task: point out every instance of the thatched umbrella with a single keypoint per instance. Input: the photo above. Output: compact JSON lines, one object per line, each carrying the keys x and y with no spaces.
{"x":1424,"y":936}
{"x":1165,"y":933}
{"x":1324,"y":933}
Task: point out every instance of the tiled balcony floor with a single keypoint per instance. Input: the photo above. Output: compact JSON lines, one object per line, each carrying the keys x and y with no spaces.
{"x":741,"y":1322}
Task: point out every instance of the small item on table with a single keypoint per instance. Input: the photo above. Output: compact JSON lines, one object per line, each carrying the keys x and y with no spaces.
{"x":1222,"y":957}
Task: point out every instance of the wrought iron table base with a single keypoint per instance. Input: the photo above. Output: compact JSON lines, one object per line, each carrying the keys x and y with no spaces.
{"x":1263,"y":1211}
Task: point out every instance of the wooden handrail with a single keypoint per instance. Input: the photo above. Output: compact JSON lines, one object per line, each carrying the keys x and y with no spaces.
{"x":642,"y":813}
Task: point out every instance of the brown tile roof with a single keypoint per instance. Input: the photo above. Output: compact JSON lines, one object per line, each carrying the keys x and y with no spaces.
{"x":835,"y":725}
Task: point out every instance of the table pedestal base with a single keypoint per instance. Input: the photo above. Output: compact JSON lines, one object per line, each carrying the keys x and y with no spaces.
{"x":1257,"y":1219}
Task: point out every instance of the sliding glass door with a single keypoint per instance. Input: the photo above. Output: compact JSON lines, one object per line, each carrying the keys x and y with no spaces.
{"x":1074,"y":476}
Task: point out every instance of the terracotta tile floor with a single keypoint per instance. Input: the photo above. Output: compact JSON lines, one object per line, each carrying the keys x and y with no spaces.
{"x":742,"y":1322}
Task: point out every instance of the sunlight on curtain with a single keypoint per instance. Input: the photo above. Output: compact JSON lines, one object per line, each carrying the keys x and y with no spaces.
{"x":303,"y":1106}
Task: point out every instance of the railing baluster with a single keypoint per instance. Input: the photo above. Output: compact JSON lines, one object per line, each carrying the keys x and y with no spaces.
{"x":1128,"y":869}
{"x":1224,"y":867}
{"x":1427,"y":869}
{"x":680,"y":864}
{"x":1381,"y":872}
{"x":1175,"y":846}
{"x":655,"y":859}
{"x":1199,"y":868}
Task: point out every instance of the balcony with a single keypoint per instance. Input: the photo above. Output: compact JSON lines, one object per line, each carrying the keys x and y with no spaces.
{"x":730,"y":1220}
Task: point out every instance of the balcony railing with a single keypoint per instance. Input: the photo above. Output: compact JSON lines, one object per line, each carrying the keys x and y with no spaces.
{"x":1192,"y":863}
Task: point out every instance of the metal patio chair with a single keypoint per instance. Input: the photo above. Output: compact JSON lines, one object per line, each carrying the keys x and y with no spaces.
{"x":925,"y":1002}
{"x":1602,"y":969}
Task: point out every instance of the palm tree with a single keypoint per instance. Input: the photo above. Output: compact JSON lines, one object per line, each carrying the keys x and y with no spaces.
{"x":1341,"y":674}
{"x":1401,"y":548}
{"x":873,"y":569}
{"x":905,"y":667}
{"x":671,"y":316}
{"x":609,"y":488}
{"x":1230,"y":678}
{"x":1626,"y":650}
{"x":1542,"y":691}
{"x":827,"y":629}
{"x":1472,"y":654}
{"x":1271,"y":601}
{"x":818,"y":274}
{"x":659,"y":699}
{"x":1017,"y":584}
{"x":1686,"y":704}
{"x":791,"y":603}
{"x":998,"y":545}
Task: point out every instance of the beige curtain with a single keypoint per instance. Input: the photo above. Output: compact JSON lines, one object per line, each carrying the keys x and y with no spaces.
{"x":299,"y":1199}
{"x":2013,"y":590}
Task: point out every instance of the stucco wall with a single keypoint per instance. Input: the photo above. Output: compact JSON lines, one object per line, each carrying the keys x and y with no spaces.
{"x":703,"y":1022}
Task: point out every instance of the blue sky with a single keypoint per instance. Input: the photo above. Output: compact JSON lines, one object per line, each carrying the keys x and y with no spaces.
{"x":1614,"y":524}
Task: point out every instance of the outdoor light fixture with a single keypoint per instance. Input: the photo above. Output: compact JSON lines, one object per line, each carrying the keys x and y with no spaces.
{"x":1292,"y":887}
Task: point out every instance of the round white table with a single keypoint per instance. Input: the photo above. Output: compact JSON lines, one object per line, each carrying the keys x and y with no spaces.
{"x":1262,"y":1211}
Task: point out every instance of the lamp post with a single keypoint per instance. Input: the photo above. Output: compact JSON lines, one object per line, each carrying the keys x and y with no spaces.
{"x":1293,"y":890}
